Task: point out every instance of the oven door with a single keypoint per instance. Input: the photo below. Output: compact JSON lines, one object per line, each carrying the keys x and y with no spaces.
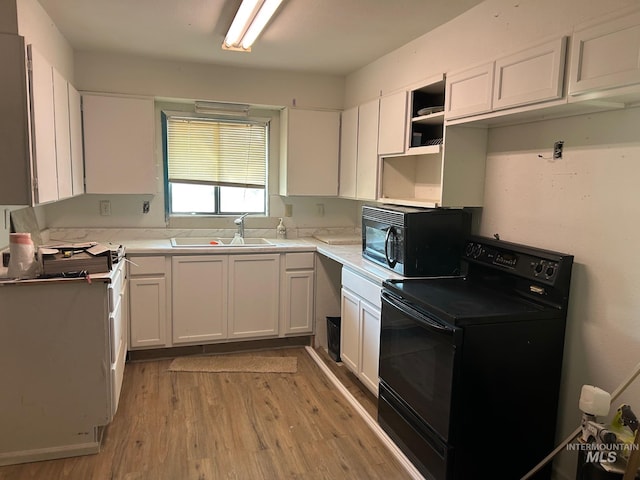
{"x":383,"y":243}
{"x":417,"y":358}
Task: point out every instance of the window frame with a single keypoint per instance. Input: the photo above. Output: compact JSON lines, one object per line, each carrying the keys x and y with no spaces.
{"x":165,"y":115}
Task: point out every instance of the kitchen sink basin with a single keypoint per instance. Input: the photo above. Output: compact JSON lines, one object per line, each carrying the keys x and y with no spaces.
{"x":216,"y":241}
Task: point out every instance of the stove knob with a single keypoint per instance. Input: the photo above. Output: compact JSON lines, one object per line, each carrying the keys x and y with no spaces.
{"x":469,"y":249}
{"x":538,"y":268}
{"x":550,"y":270}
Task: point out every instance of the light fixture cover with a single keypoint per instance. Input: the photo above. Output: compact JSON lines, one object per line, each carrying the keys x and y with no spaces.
{"x":251,"y":18}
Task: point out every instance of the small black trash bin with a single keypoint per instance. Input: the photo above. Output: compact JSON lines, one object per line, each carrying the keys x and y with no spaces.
{"x":333,"y":337}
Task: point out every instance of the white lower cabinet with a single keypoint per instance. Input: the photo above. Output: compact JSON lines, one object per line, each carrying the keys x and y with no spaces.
{"x":298,"y":294}
{"x":199,"y":298}
{"x":254,"y":295}
{"x":147,"y":302}
{"x":360,"y":327}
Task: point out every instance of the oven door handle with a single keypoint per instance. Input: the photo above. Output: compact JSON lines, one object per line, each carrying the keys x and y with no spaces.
{"x":421,"y":318}
{"x":390,"y":261}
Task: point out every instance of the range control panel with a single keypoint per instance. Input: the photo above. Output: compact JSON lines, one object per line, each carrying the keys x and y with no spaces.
{"x":527,"y":262}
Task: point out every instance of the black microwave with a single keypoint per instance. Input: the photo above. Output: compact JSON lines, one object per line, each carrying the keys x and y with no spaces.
{"x":415,"y":242}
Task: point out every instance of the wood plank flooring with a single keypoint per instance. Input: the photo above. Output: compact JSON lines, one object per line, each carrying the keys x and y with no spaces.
{"x":181,"y":425}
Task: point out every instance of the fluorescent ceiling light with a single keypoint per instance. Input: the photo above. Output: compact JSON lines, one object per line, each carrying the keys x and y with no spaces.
{"x":252,"y":17}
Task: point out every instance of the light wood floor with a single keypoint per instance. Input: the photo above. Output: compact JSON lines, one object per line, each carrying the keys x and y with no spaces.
{"x":179,"y":426}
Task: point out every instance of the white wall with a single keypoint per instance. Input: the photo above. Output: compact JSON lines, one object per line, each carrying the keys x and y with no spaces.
{"x":38,"y":29}
{"x":585,"y":204}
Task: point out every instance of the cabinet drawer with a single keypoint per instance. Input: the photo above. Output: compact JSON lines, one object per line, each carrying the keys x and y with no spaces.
{"x":363,"y":288}
{"x":299,"y":260}
{"x":147,"y":265}
{"x":115,"y":287}
{"x":116,"y":329}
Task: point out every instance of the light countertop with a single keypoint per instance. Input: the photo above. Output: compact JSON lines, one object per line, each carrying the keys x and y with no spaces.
{"x":348,"y":255}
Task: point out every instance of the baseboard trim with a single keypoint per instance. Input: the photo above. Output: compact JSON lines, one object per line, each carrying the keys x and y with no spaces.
{"x":371,"y":422}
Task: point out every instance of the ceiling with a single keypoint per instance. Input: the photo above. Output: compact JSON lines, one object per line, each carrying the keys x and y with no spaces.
{"x":322,"y":36}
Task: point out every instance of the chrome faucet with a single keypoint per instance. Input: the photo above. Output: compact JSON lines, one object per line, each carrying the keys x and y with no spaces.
{"x":240,"y":223}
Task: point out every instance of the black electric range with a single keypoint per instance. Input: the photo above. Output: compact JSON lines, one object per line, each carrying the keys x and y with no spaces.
{"x":471,"y":364}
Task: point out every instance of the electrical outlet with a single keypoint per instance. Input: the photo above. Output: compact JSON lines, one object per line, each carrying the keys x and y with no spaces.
{"x":145,"y":206}
{"x":105,"y":208}
{"x":557,"y":149}
{"x":288,"y":210}
{"x":320,"y":208}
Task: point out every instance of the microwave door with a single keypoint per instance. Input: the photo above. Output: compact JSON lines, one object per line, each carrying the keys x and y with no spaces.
{"x":390,"y":247}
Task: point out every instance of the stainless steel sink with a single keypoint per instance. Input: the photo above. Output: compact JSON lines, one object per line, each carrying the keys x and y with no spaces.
{"x":217,"y":241}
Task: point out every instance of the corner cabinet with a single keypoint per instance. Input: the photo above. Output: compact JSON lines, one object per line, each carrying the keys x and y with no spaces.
{"x":443,"y":166}
{"x":119,"y":136}
{"x":309,"y":152}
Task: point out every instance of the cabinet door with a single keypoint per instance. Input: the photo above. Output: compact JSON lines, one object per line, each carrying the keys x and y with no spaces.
{"x":199,"y":298}
{"x":15,"y":181}
{"x":62,"y":135}
{"x":350,"y":330}
{"x":254,"y":287}
{"x":367,"y":168}
{"x":298,"y":309}
{"x":393,"y":124}
{"x":309,"y":152}
{"x":606,"y":56}
{"x":469,"y":92}
{"x":119,"y":144}
{"x":75,"y":131}
{"x":42,"y":127}
{"x":534,"y":75}
{"x":148,"y":315}
{"x":370,"y":350}
{"x":348,"y":152}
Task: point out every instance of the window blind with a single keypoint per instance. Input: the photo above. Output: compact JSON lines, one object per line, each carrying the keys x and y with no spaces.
{"x":216,"y":152}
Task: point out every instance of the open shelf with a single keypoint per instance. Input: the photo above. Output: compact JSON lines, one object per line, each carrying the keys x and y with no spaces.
{"x":412,"y":180}
{"x":426,"y":129}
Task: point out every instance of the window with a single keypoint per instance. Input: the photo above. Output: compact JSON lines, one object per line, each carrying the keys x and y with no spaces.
{"x":215,"y":166}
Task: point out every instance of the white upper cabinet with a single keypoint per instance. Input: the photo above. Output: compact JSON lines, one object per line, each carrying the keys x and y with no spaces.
{"x":75,"y":128}
{"x":606,"y":56}
{"x":309,"y":152}
{"x":348,"y":152}
{"x":119,"y":144}
{"x":62,"y":135}
{"x":16,"y":178}
{"x":43,"y":135}
{"x":469,"y":92}
{"x":359,"y":151}
{"x":444,"y":165}
{"x":367,"y":165}
{"x":36,"y":153}
{"x":392,"y":132}
{"x":531,"y":76}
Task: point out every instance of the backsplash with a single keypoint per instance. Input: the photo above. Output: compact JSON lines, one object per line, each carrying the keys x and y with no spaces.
{"x":120,"y":235}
